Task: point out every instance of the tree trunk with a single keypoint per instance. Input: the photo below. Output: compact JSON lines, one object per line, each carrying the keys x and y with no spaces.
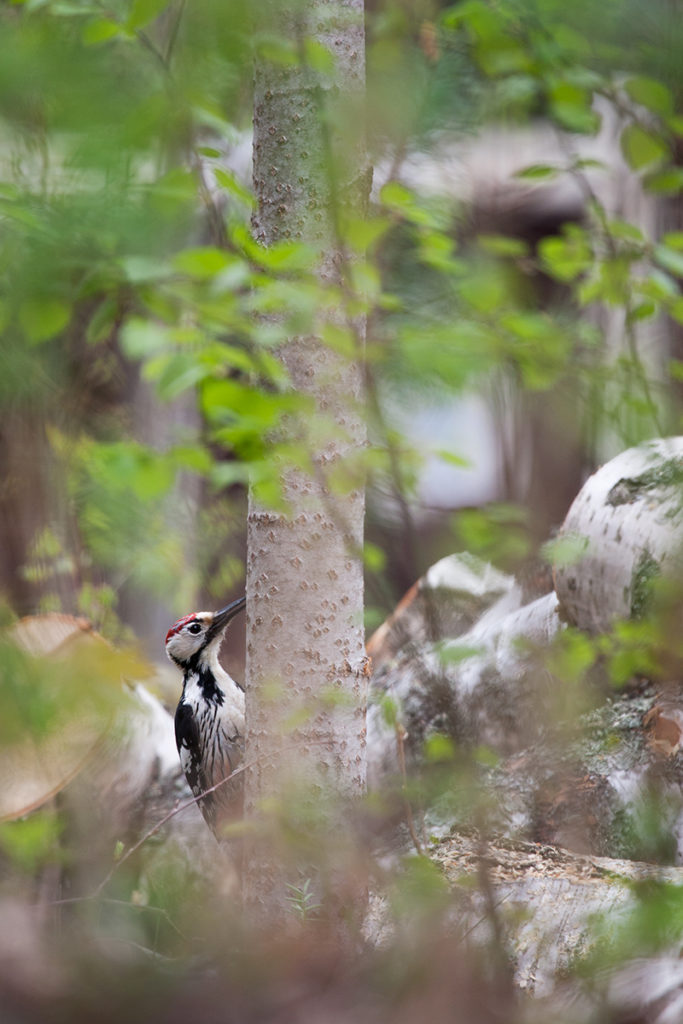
{"x":306,"y":684}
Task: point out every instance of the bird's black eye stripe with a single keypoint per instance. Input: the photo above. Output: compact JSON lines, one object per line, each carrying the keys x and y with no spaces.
{"x":194,"y":627}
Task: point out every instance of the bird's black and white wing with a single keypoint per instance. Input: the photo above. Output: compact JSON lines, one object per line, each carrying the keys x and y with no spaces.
{"x":207,"y":762}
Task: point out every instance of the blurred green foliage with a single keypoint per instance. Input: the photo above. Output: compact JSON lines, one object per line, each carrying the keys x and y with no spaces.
{"x":125,"y":239}
{"x":126,"y":261}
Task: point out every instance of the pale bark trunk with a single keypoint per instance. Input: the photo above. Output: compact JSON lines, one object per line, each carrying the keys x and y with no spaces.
{"x":306,"y":684}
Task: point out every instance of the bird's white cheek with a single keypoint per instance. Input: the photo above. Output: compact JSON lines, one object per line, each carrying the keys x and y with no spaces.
{"x":178,"y":648}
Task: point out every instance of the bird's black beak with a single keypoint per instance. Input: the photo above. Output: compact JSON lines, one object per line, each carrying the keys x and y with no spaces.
{"x":222,"y":617}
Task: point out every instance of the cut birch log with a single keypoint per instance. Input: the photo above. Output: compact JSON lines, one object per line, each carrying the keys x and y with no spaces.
{"x":480,"y":683}
{"x":607,"y":782}
{"x":629,"y":519}
{"x":546,"y":903}
{"x":613,"y":787}
{"x":547,"y":914}
{"x":445,"y":602}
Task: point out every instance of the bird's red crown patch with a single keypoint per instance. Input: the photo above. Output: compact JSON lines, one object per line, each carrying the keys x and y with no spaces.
{"x":177,"y":626}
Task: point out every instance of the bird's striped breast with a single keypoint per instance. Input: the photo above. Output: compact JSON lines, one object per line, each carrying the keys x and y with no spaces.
{"x":209,"y":730}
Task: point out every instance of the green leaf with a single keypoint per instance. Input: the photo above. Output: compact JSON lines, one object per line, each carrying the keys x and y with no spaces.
{"x":276,"y":50}
{"x":318,"y":57}
{"x":486,"y":756}
{"x":642,"y":149}
{"x":366,"y":279}
{"x":340,"y":339}
{"x":487,"y":288}
{"x":659,"y":286}
{"x":143,"y":338}
{"x":32,"y":841}
{"x":571,"y":655}
{"x":566,"y":257}
{"x":100,"y":31}
{"x":567,"y":549}
{"x":452,"y":458}
{"x":624,"y":230}
{"x":501,"y":55}
{"x":226,"y":474}
{"x":439,"y":748}
{"x":643,"y":311}
{"x":362,"y":233}
{"x":503,"y":245}
{"x":436,"y":250}
{"x":177,"y":186}
{"x":668,"y":182}
{"x":651,"y":94}
{"x":143,"y":12}
{"x":610,"y":282}
{"x":537,"y":172}
{"x":400,"y":199}
{"x":192,"y":456}
{"x":229,"y":182}
{"x":670,"y":259}
{"x":676,"y":365}
{"x":175,"y":373}
{"x":421,"y":888}
{"x":43,"y":318}
{"x":397,"y":195}
{"x":203,"y":262}
{"x":589,"y":164}
{"x":389,"y":711}
{"x":453,"y":653}
{"x":102,"y":321}
{"x":374,"y":557}
{"x":143,"y":269}
{"x":286,"y":256}
{"x":571,"y":107}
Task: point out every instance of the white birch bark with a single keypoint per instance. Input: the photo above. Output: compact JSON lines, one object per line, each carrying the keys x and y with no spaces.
{"x":463,"y":667}
{"x":547,"y":903}
{"x":306,"y":683}
{"x":629,"y":516}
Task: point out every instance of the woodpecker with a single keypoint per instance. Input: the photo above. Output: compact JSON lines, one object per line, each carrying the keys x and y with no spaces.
{"x":209,"y":719}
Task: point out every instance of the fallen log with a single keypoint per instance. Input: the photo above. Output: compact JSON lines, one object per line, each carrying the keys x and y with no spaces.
{"x":479,"y":686}
{"x":627,"y":521}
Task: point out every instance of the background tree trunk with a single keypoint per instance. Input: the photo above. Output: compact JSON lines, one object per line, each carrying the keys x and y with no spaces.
{"x":306,"y":685}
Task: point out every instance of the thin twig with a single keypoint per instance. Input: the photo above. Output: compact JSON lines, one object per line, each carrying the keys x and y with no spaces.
{"x":174,"y":33}
{"x":491,"y":905}
{"x":179,"y":808}
{"x":160,"y":911}
{"x":400,"y":743}
{"x":485,"y":916}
